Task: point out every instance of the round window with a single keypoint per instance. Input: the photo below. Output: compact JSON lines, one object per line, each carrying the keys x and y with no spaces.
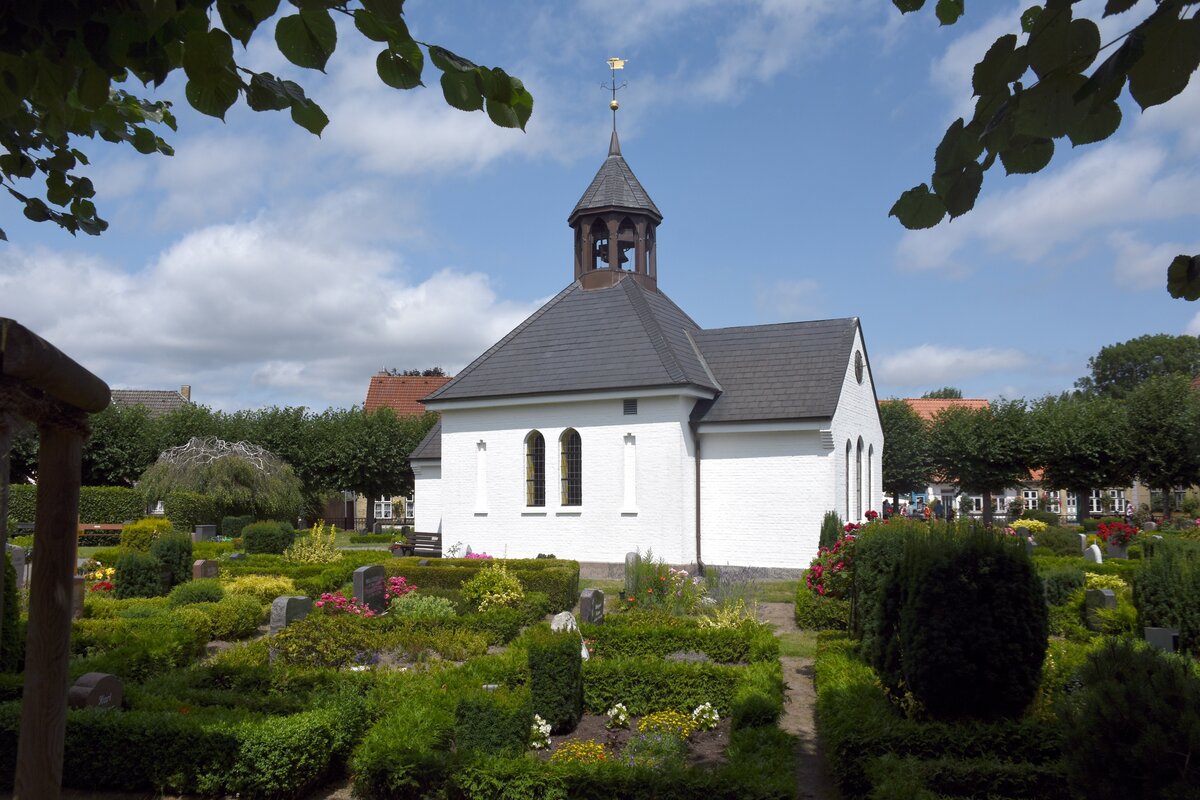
{"x":858,"y":366}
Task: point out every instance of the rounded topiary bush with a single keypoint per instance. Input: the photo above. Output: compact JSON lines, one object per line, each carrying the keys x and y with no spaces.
{"x":234,"y":617}
{"x":141,"y":534}
{"x":972,"y":626}
{"x":174,"y":552}
{"x":267,"y":537}
{"x":138,"y":575}
{"x":204,"y":590}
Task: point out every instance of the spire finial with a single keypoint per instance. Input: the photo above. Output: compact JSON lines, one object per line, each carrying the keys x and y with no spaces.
{"x":615,"y":64}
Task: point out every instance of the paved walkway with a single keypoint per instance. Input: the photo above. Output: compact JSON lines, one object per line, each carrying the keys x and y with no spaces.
{"x":812,"y":779}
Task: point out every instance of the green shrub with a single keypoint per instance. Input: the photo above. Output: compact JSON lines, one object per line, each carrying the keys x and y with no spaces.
{"x":373,"y":538}
{"x":1146,"y":704}
{"x":1061,"y":583}
{"x":189,"y":509}
{"x":1050,"y":518}
{"x":107,"y":505}
{"x":267,"y":537}
{"x":557,"y":578}
{"x":1167,"y":591}
{"x":141,"y":534}
{"x":174,"y":552}
{"x":422,"y":607}
{"x":138,"y":575}
{"x":263,"y":588}
{"x":726,"y":645}
{"x":204,"y":590}
{"x":497,"y":625}
{"x":233,"y":617}
{"x":211,"y":549}
{"x":12,"y":643}
{"x":646,"y":685}
{"x":324,"y":640}
{"x":493,"y":587}
{"x":1059,"y":541}
{"x":655,"y":750}
{"x":556,"y":677}
{"x":231,"y":527}
{"x":968,"y":624}
{"x":831,"y":529}
{"x":877,"y":554}
{"x":815,"y":613}
{"x":133,"y":649}
{"x":493,"y":722}
{"x":758,"y":699}
{"x":196,"y":621}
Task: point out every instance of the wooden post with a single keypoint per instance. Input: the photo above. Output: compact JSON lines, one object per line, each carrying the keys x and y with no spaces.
{"x":44,"y":707}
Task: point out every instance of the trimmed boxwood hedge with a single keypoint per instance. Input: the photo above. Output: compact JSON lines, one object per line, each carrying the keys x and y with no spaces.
{"x":725,"y":645}
{"x":646,"y":685}
{"x":556,"y":676}
{"x":557,"y":578}
{"x":98,"y":505}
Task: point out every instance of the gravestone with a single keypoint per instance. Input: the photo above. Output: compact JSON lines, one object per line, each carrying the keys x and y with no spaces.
{"x":288,"y":609}
{"x":631,"y":564}
{"x":1092,"y":555}
{"x":368,"y":587}
{"x":1162,"y":638}
{"x":424,"y":562}
{"x":564,"y":621}
{"x":18,"y":556}
{"x":591,"y":606}
{"x":78,"y":590}
{"x":205,"y":568}
{"x":237,"y":556}
{"x":96,"y":690}
{"x":204,"y":533}
{"x":1083,"y":545}
{"x":1096,"y":599}
{"x":1150,"y":525}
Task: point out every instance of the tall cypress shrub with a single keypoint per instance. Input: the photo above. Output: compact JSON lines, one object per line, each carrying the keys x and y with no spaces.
{"x":556,"y":677}
{"x":831,"y":529}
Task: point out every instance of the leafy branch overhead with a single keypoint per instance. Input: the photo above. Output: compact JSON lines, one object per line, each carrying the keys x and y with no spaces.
{"x":63,"y":65}
{"x":1036,"y":88}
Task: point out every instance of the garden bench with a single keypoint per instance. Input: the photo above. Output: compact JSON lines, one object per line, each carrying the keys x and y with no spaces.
{"x":89,"y":528}
{"x":428,"y":545}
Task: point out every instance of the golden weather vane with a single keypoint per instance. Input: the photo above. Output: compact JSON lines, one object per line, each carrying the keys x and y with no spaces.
{"x":614,"y":64}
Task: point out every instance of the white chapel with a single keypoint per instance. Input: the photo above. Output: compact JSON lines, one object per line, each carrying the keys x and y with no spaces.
{"x":609,"y":421}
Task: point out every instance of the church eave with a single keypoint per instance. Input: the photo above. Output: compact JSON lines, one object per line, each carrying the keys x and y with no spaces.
{"x":614,"y":209}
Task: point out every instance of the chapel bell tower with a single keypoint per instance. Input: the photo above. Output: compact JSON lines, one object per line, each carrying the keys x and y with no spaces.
{"x":615,"y":222}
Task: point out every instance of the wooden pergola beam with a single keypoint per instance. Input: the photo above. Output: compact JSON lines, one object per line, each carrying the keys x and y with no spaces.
{"x":39,"y":383}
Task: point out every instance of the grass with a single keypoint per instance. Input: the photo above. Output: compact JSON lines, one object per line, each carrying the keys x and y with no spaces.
{"x":800,"y":644}
{"x":610,"y":588}
{"x":775,"y":591}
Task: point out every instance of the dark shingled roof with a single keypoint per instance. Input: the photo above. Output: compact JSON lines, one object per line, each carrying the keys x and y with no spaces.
{"x":776,"y":372}
{"x":615,"y":186}
{"x":618,"y":337}
{"x":431,"y":445}
{"x":156,"y":401}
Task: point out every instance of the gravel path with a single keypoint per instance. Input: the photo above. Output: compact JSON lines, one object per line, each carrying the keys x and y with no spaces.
{"x":812,"y":779}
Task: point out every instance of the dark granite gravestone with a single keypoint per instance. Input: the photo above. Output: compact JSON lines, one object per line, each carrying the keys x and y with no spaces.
{"x":368,"y":587}
{"x":18,"y":556}
{"x":205,"y":568}
{"x":96,"y":690}
{"x":288,"y":609}
{"x":204,"y":533}
{"x":1096,"y":599}
{"x":78,"y":590}
{"x":591,"y":606}
{"x":1162,"y":638}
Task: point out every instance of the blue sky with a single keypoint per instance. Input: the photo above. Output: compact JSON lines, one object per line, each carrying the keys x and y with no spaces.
{"x":264,"y":266}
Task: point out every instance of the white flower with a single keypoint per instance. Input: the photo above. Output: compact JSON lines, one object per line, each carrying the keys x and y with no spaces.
{"x":706,"y":717}
{"x":618,"y":716}
{"x":539,"y":733}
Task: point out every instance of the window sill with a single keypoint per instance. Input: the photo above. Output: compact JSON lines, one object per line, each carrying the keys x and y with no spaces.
{"x":573,"y":511}
{"x":629,"y":512}
{"x":533,"y":512}
{"x":481,"y":513}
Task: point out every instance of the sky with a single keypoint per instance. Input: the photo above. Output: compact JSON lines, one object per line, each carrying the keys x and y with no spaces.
{"x":264,"y":266}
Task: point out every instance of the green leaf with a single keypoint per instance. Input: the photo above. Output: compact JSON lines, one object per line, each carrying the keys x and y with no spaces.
{"x":370,"y":26}
{"x":1183,"y":277}
{"x":92,"y":86}
{"x":962,"y":193}
{"x":1029,"y":18}
{"x":212,"y":95}
{"x":36,"y":210}
{"x":307,"y":39}
{"x":1118,"y":6}
{"x":907,"y":6}
{"x":918,"y":208}
{"x":267,"y":93}
{"x":1107,"y":80}
{"x":390,"y":11}
{"x":57,"y":191}
{"x":1050,"y":40}
{"x":495,"y":84}
{"x":1084,"y":43}
{"x":959,"y":146}
{"x":144,"y":140}
{"x":1172,"y":54}
{"x":396,"y":71}
{"x":242,"y":17}
{"x":308,"y":115}
{"x":207,"y":53}
{"x":1098,"y":125}
{"x":502,"y":114}
{"x":1048,"y":110}
{"x":948,"y":11}
{"x":522,"y":103}
{"x":461,"y":90}
{"x":1025,"y":155}
{"x":1003,"y":64}
{"x":446,"y":61}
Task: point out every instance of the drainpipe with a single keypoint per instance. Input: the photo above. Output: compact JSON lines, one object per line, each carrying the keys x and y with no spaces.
{"x":696,"y":450}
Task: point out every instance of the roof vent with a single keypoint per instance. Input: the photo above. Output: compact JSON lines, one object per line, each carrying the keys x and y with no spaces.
{"x":631,"y":406}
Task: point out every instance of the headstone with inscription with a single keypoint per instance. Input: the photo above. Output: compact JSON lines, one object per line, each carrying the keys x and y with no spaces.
{"x":204,"y":533}
{"x":591,"y":606}
{"x":368,"y":583}
{"x":96,"y":690}
{"x":288,"y":609}
{"x":205,"y":568}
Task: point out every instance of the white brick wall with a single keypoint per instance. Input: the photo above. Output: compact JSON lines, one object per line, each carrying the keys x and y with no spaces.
{"x":427,"y":493}
{"x":857,"y":415}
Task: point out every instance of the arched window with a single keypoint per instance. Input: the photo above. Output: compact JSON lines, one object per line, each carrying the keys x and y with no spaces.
{"x":858,"y":482}
{"x":870,"y":486}
{"x":535,"y":469}
{"x":849,"y":450}
{"x":571,"y":467}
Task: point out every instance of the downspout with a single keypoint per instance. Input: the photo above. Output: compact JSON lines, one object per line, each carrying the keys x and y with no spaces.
{"x":696,"y":450}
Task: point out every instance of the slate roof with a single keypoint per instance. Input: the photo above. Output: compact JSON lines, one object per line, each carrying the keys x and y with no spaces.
{"x":156,"y":401}
{"x":615,"y":186}
{"x":401,"y":393}
{"x":619,"y":337}
{"x":788,"y":371}
{"x":431,"y":445}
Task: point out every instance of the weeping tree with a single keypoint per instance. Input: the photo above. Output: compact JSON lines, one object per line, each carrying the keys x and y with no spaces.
{"x":239,"y":478}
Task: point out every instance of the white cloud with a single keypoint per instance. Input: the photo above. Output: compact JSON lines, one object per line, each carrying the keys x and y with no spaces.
{"x":1193,"y":327}
{"x":1142,"y":265}
{"x":787,"y":300}
{"x":278,"y":309}
{"x":930,"y":364}
{"x":951,"y":73}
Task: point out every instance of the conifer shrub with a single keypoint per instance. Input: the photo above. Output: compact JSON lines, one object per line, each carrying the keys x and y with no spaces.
{"x":831,"y":529}
{"x":267,"y":537}
{"x":878,"y":552}
{"x":495,"y":722}
{"x":1061,"y":583}
{"x":263,"y":588}
{"x":1145,"y":705}
{"x":556,"y":677}
{"x":138,"y":575}
{"x":968,"y":626}
{"x":174,"y":552}
{"x":233,"y":617}
{"x":231,"y":527}
{"x":141,"y":534}
{"x":189,"y":509}
{"x":1166,"y":591}
{"x":203,"y":590}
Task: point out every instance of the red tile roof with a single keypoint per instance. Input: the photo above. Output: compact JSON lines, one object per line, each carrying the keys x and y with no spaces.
{"x":401,"y":393}
{"x":928,"y":408}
